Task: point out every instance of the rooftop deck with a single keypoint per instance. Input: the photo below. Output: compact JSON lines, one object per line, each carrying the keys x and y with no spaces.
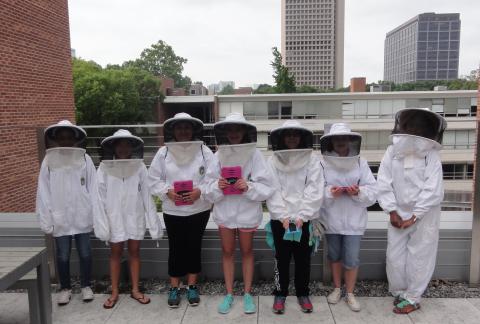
{"x":14,"y":310}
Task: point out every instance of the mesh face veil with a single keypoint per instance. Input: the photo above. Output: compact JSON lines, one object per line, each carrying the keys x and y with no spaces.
{"x":181,"y":123}
{"x":122,"y":145}
{"x":65,"y":134}
{"x":420,"y":122}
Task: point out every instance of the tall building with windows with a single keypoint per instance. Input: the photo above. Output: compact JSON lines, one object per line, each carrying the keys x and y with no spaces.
{"x":424,"y":48}
{"x":312,"y":41}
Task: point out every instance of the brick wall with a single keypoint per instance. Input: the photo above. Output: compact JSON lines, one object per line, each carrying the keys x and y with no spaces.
{"x":35,"y":90}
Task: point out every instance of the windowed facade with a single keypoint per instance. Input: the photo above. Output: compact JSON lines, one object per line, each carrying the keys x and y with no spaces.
{"x":424,"y":48}
{"x":312,"y":41}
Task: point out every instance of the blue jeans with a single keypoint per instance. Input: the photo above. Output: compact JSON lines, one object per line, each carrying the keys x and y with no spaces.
{"x":63,"y":247}
{"x":345,"y":248}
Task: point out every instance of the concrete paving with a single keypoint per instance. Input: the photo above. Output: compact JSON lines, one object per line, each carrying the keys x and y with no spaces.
{"x":14,"y":310}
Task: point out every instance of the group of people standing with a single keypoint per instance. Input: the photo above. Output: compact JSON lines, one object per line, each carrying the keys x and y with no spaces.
{"x":307,"y":195}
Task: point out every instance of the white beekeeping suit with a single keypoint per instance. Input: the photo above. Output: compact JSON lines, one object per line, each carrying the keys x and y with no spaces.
{"x":411,"y":184}
{"x":244,"y":210}
{"x":346,"y":214}
{"x":181,"y":161}
{"x":67,"y":184}
{"x":127,"y":207}
{"x":297,"y":176}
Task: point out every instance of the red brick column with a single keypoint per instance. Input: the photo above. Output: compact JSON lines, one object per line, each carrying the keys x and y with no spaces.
{"x":35,"y":90}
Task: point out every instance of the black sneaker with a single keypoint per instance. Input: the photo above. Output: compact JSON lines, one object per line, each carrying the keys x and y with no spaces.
{"x":174,"y":297}
{"x":193,"y":296}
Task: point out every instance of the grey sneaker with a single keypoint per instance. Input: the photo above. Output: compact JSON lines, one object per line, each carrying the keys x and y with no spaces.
{"x":335,"y":296}
{"x":352,"y":302}
{"x":64,"y":297}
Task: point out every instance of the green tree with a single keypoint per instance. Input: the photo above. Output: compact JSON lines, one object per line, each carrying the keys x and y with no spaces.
{"x":264,"y":89}
{"x":284,"y":82}
{"x":306,"y":89}
{"x":161,"y":60}
{"x":113,"y":95}
{"x":227,"y":90}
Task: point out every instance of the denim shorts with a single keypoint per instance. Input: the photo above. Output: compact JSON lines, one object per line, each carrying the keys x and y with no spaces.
{"x":344,"y":248}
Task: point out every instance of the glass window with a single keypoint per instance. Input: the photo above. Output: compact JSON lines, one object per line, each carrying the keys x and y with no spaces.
{"x":442,"y":55}
{"x":454,"y":45}
{"x":360,"y":108}
{"x":449,"y":139}
{"x":431,"y":65}
{"x":455,"y":25}
{"x":255,"y":110}
{"x":422,"y":36}
{"x":443,"y":64}
{"x":373,"y":108}
{"x":386,"y":108}
{"x":452,"y":74}
{"x":443,"y":45}
{"x":455,"y":35}
{"x":444,"y":36}
{"x":461,"y":139}
{"x":423,"y":46}
{"x":273,"y":110}
{"x":432,"y":55}
{"x":432,"y":46}
{"x":432,"y":36}
{"x":422,"y":55}
{"x":347,"y":109}
{"x":442,"y":74}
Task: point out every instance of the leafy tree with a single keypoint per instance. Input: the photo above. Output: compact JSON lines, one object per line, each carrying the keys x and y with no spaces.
{"x":264,"y":89}
{"x":161,"y":60}
{"x":284,"y":82}
{"x":306,"y":89}
{"x":227,"y":90}
{"x":113,"y":95}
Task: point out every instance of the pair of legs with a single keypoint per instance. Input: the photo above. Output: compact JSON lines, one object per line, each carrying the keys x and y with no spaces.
{"x":116,"y":251}
{"x":411,"y":257}
{"x":185,"y":234}
{"x":245,"y":238}
{"x":63,"y":246}
{"x":284,"y":250}
{"x":343,"y":253}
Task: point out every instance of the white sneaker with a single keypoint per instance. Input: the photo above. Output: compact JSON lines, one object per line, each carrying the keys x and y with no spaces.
{"x":87,"y":294}
{"x":64,"y":297}
{"x":352,"y":302}
{"x":335,"y":296}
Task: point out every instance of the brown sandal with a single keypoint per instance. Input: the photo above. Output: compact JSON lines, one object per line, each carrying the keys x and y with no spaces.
{"x":142,"y":300}
{"x":111,"y":301}
{"x":405,"y":307}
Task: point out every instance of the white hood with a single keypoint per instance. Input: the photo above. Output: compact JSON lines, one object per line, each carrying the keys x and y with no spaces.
{"x":236,"y":155}
{"x":404,"y":145}
{"x":184,"y":152}
{"x":291,"y":160}
{"x":121,"y":169}
{"x":65,"y":157}
{"x":342,"y":163}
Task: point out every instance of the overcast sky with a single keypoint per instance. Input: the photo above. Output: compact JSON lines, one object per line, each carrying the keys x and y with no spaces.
{"x":232,"y":39}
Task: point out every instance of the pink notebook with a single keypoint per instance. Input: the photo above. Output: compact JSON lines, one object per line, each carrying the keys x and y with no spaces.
{"x":231,"y":174}
{"x":182,"y":187}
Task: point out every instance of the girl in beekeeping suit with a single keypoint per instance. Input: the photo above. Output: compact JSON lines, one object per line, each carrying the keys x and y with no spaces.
{"x":410,"y":183}
{"x":127,"y":208}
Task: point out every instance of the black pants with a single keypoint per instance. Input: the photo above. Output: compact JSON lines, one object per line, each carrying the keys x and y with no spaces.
{"x":284,"y":250}
{"x":185,"y":235}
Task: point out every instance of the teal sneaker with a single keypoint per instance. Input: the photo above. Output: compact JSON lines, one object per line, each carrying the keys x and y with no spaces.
{"x":226,"y":305}
{"x":192,"y":296}
{"x":248,"y":304}
{"x":173,"y":297}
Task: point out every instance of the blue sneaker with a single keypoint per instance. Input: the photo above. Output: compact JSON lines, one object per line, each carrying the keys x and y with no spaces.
{"x":248,"y":304}
{"x":192,"y":296}
{"x":173,"y":297}
{"x":226,"y":305}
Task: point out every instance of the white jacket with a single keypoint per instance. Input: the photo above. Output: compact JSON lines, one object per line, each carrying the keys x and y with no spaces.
{"x":298,"y":194}
{"x":126,"y":208}
{"x":245,"y":210}
{"x":411,"y":191}
{"x":164,"y":171}
{"x":66,"y":199}
{"x":347,"y":215}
